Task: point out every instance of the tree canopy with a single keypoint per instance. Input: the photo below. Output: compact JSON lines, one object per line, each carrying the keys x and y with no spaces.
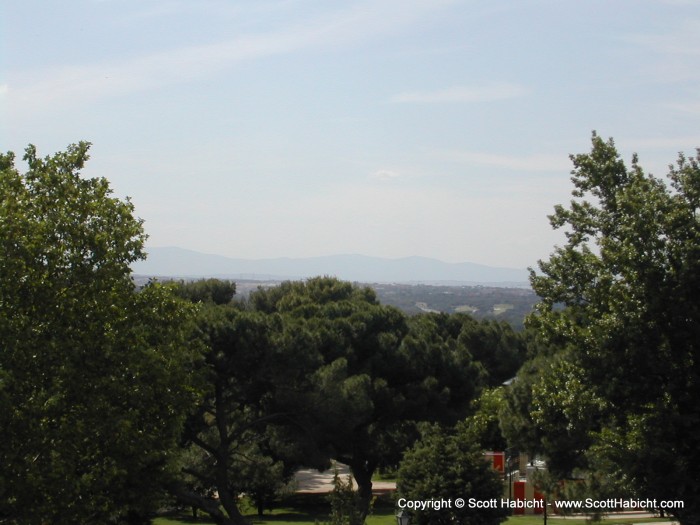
{"x":619,"y":305}
{"x":318,"y":370}
{"x":379,"y":373}
{"x":93,"y":376}
{"x":253,"y":424}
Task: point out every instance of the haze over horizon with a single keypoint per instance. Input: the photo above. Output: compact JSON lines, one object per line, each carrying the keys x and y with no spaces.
{"x":178,"y":262}
{"x":300,"y":128}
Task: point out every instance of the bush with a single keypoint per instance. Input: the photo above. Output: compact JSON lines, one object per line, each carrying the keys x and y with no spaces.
{"x":446,"y":466}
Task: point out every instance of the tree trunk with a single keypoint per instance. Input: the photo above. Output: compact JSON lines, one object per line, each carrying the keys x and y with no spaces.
{"x":196,"y":501}
{"x":228,"y":500}
{"x":230,"y":503}
{"x":362,"y":472}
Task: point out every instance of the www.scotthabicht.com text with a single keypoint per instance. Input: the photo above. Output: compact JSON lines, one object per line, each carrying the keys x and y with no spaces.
{"x":621,"y":504}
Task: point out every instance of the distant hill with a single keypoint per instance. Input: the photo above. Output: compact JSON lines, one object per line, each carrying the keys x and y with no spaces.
{"x":179,"y":262}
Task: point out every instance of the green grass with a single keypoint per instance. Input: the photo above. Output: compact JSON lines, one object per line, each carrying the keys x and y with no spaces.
{"x":388,"y":475}
{"x":298,"y":509}
{"x":539,"y":520}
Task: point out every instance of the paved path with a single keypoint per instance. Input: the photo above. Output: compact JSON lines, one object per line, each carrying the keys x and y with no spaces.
{"x":313,"y":481}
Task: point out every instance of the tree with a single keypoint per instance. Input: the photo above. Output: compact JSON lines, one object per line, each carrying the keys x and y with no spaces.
{"x":495,"y":345}
{"x":355,"y":380}
{"x":619,"y":300}
{"x":208,"y":291}
{"x":93,"y":376}
{"x":550,"y":410}
{"x":448,"y":466}
{"x":249,"y":431}
{"x":377,"y":372}
{"x":318,"y":367}
{"x":483,"y":425}
{"x":346,"y":504}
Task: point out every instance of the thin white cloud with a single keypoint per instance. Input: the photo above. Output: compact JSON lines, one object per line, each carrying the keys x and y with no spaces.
{"x":684,"y":40}
{"x":176,"y":7}
{"x":671,"y":56}
{"x":385,"y":174}
{"x":33,"y":91}
{"x":535,"y":162}
{"x":679,"y":2}
{"x":662,"y":143}
{"x":484,"y":93}
{"x":71,"y":84}
{"x":690,"y":107}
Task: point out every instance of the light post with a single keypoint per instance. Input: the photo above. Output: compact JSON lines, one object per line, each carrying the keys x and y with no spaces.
{"x":403,"y":518}
{"x":509,"y":466}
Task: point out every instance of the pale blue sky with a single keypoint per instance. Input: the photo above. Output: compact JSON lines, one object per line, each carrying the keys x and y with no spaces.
{"x":298,"y":128}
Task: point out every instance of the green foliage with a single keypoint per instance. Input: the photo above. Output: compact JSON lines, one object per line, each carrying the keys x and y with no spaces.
{"x":441,"y":366}
{"x":377,"y":372}
{"x":491,"y":346}
{"x":623,"y":389}
{"x":494,"y":344}
{"x":309,"y":371}
{"x":515,"y":414}
{"x":249,"y":431}
{"x":346,"y":504}
{"x":483,"y":425}
{"x":213,"y":291}
{"x":93,"y":376}
{"x":265,"y":478}
{"x":357,"y":377}
{"x":446,"y":466}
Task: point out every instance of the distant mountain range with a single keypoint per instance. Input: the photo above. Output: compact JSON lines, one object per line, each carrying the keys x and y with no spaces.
{"x":179,"y":262}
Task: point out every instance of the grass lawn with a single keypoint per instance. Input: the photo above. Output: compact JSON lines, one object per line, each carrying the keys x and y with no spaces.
{"x":384,"y":476}
{"x":282,"y":518}
{"x":299,"y":509}
{"x":538,"y":520}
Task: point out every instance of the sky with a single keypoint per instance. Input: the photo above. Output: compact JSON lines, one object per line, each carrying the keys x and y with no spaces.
{"x":299,"y":128}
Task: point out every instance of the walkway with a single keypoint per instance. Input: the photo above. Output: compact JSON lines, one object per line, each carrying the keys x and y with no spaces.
{"x":313,"y":481}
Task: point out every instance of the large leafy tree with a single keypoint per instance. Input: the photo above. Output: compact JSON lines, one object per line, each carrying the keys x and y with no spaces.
{"x":377,"y":373}
{"x":357,"y":371}
{"x":619,"y":300}
{"x":93,"y":376}
{"x":250,"y":429}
